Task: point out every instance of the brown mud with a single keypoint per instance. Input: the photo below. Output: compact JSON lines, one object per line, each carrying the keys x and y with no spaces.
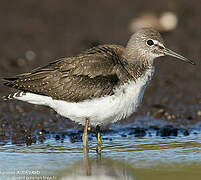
{"x":33,"y":33}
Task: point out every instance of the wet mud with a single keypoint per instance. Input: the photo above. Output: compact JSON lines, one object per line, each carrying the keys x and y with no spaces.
{"x":33,"y":33}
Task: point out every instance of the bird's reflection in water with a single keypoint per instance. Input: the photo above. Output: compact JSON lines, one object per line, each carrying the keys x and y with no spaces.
{"x":99,"y":168}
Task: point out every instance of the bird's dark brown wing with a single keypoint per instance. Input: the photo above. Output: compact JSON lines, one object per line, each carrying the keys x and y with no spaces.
{"x":94,"y":73}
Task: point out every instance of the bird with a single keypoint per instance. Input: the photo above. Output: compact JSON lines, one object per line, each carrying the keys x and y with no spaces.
{"x":101,"y":85}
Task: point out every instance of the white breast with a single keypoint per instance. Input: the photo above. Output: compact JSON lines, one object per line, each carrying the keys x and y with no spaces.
{"x":106,"y":109}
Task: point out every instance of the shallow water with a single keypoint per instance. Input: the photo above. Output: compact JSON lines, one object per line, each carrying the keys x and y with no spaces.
{"x":122,"y":157}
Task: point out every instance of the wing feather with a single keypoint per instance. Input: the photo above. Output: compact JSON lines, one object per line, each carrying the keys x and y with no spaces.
{"x":93,"y":73}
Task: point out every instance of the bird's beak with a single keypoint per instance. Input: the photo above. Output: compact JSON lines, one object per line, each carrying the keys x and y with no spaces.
{"x":169,"y":52}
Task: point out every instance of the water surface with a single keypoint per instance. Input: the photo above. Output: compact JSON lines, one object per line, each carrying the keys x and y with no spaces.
{"x":124,"y":156}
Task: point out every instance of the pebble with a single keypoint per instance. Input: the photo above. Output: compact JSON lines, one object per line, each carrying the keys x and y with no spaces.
{"x":28,"y":140}
{"x":186,"y":132}
{"x":57,"y":137}
{"x":75,"y":138}
{"x":41,"y":138}
{"x":167,"y":131}
{"x":139,"y":132}
{"x":159,"y":114}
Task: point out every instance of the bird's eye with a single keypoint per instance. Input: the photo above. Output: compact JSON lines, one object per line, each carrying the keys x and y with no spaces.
{"x":150,"y":42}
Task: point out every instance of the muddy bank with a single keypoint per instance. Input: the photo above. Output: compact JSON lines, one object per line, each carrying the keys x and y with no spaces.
{"x":33,"y":33}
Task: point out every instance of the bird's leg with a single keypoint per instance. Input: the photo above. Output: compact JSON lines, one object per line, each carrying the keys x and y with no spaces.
{"x":85,"y":134}
{"x":98,"y":136}
{"x":87,"y":162}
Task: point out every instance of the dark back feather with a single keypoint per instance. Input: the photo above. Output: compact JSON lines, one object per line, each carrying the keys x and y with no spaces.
{"x":93,"y":73}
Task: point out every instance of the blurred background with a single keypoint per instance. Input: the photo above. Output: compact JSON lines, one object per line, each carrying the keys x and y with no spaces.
{"x":34,"y":33}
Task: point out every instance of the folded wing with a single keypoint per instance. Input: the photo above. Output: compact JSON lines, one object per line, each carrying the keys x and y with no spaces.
{"x":94,"y":73}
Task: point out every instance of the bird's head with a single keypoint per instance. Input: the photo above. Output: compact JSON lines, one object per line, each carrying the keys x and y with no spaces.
{"x":147,"y":44}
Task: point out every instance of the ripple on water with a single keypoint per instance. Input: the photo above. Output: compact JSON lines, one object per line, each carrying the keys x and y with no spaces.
{"x":148,"y":152}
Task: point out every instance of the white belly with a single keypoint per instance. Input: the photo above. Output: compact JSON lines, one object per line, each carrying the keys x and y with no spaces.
{"x":106,"y":109}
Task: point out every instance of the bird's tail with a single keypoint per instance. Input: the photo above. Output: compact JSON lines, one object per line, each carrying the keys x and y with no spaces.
{"x":14,"y":95}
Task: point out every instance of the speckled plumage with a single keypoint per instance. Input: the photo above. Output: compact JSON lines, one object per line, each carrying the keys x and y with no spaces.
{"x":103,"y":84}
{"x":93,"y":73}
